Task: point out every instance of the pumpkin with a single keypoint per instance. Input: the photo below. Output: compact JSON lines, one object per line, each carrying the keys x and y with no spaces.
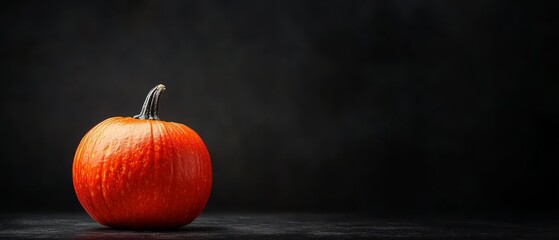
{"x":141,"y":172}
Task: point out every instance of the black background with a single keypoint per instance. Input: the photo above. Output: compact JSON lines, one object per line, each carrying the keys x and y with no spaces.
{"x":387,"y":107}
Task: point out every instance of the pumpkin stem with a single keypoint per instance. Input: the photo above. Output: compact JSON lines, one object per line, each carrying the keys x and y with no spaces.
{"x":151,"y":104}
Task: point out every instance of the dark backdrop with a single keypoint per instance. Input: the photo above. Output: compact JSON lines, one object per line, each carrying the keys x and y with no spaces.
{"x":389,"y":107}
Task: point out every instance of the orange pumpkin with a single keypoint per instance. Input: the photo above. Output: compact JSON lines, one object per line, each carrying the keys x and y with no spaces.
{"x":142,"y":172}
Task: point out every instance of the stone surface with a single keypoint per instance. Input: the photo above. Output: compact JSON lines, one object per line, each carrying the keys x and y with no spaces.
{"x":277,"y":226}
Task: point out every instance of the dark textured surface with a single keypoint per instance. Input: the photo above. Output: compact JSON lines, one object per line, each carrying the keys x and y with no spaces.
{"x":279,"y":226}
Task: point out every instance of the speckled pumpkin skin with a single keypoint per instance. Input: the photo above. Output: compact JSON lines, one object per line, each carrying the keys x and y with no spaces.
{"x":142,"y":174}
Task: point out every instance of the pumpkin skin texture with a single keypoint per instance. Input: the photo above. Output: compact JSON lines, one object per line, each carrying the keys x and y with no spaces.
{"x":142,"y":173}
